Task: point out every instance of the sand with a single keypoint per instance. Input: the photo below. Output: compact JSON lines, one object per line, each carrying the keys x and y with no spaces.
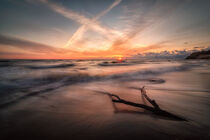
{"x":81,"y":111}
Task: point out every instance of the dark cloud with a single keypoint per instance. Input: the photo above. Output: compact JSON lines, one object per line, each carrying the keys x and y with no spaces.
{"x":176,"y":54}
{"x":11,"y":53}
{"x":207,"y":48}
{"x":27,"y":45}
{"x":201,"y":47}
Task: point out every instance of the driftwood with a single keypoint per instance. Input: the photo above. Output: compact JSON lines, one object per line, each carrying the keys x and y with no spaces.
{"x":155,"y":109}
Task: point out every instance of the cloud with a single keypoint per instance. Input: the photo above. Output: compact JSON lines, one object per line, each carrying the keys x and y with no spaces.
{"x":114,"y":4}
{"x":6,"y":53}
{"x":118,"y":41}
{"x":27,"y":45}
{"x":113,"y":52}
{"x":175,"y":54}
{"x":201,"y":47}
{"x":87,"y":23}
{"x":21,"y":48}
{"x":157,"y":12}
{"x":81,"y":30}
{"x":207,"y":48}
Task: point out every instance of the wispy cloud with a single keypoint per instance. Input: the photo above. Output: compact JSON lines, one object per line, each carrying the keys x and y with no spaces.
{"x":119,"y":41}
{"x":27,"y":45}
{"x":81,"y":30}
{"x":140,"y":18}
{"x":22,"y":48}
{"x":87,"y":23}
{"x":139,"y":23}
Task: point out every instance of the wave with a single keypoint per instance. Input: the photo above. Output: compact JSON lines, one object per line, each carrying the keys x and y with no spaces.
{"x":50,"y":66}
{"x":79,"y":77}
{"x":115,"y":63}
{"x":31,"y":86}
{"x":7,"y":63}
{"x":24,"y":62}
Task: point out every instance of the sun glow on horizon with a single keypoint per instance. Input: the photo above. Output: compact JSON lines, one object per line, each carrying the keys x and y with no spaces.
{"x":119,"y":58}
{"x":116,"y":29}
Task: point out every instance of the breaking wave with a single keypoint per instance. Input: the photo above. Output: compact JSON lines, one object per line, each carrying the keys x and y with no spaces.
{"x":25,"y":80}
{"x":50,"y":66}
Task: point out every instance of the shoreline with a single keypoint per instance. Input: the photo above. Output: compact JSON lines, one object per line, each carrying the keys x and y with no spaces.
{"x":79,"y":112}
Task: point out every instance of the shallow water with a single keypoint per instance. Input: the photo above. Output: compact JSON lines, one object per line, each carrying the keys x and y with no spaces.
{"x":21,"y":78}
{"x":36,"y":96}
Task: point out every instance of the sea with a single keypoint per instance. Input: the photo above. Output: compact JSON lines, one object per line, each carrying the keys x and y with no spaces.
{"x":20,"y":79}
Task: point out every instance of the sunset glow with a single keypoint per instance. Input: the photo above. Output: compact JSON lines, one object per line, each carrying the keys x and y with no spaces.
{"x":104,"y":69}
{"x":64,"y":30}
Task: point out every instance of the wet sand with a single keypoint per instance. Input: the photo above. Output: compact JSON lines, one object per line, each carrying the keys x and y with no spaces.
{"x":81,"y":111}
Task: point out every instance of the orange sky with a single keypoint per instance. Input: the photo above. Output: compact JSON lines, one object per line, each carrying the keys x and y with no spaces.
{"x":105,"y":29}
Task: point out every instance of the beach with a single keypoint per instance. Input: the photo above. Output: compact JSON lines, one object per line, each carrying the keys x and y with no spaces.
{"x":66,"y":100}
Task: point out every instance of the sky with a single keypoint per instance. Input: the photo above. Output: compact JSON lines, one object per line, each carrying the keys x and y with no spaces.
{"x":77,"y":29}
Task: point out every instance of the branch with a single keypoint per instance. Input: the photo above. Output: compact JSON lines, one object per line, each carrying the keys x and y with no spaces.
{"x":155,"y":109}
{"x":143,"y":92}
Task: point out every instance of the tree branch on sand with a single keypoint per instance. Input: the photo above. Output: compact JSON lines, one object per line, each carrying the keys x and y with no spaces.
{"x":155,"y":107}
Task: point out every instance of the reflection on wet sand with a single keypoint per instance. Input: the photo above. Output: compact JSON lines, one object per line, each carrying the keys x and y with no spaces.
{"x":77,"y":111}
